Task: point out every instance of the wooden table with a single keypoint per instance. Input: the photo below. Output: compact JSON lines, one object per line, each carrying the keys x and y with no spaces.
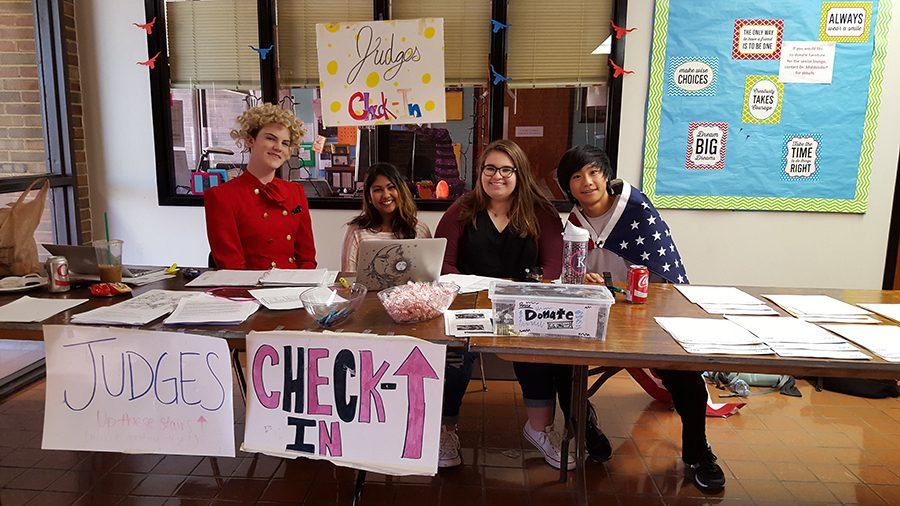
{"x":633,"y":339}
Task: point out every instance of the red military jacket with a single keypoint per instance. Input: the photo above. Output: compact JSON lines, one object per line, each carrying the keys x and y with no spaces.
{"x":258,"y":226}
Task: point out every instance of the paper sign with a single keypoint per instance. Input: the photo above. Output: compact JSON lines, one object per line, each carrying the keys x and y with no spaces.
{"x":382,"y":72}
{"x":762,"y":100}
{"x":806,"y":62}
{"x":800,"y":155}
{"x":358,"y":400}
{"x":757,"y":39}
{"x":845,"y":21}
{"x":706,"y":146}
{"x":136,"y":391}
{"x":692,"y":76}
{"x":560,"y":319}
{"x":529,"y":131}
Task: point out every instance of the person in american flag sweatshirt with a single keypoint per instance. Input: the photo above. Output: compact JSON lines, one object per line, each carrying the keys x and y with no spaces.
{"x":626,"y":229}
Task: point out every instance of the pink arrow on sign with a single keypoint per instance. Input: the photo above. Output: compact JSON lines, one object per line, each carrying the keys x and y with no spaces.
{"x":416,"y":369}
{"x":201,"y":420}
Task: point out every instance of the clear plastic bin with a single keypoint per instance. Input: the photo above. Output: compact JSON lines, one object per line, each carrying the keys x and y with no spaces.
{"x":542,"y":309}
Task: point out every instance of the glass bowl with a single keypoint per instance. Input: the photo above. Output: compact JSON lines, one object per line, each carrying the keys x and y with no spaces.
{"x":329,"y":305}
{"x":418,"y":302}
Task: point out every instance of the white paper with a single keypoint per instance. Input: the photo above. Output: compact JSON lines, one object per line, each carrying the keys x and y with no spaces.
{"x":469,"y":322}
{"x":738,"y":309}
{"x":707,"y":331}
{"x":785,"y":329}
{"x":136,"y":391}
{"x":883,"y":340}
{"x":138,"y":281}
{"x":293,"y":277}
{"x":891,"y":311}
{"x":712,"y":349}
{"x":278,"y":299}
{"x":391,"y":430}
{"x":205,"y":308}
{"x":139,"y":310}
{"x":806,"y":62}
{"x":801,"y":353}
{"x":821,"y":308}
{"x":717,"y":295}
{"x":34,"y":309}
{"x":469,"y":283}
{"x":226,"y":277}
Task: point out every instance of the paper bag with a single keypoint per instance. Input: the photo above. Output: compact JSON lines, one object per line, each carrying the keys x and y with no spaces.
{"x":18,"y":250}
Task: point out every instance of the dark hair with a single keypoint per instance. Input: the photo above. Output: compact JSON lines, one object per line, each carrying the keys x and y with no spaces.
{"x":574,"y":159}
{"x":404,"y":223}
{"x":527,"y":198}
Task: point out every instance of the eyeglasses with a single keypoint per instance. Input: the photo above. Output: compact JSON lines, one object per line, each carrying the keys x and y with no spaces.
{"x":505,"y":172}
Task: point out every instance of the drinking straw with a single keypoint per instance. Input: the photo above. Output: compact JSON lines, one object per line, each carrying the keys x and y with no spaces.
{"x":108,"y":246}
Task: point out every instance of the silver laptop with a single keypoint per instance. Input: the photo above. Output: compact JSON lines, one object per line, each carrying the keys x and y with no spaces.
{"x":385,"y":263}
{"x":83,"y":260}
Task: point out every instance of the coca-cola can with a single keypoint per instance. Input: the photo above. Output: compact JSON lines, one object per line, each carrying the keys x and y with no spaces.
{"x":58,"y":274}
{"x":638,"y":284}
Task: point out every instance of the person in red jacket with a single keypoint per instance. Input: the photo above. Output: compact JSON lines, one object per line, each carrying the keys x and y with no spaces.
{"x":257,"y":221}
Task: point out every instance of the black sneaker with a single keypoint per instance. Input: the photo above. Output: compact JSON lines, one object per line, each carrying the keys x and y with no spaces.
{"x":598,"y":446}
{"x":707,"y":475}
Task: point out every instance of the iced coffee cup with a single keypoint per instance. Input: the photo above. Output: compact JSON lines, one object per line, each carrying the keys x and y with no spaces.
{"x":109,"y":260}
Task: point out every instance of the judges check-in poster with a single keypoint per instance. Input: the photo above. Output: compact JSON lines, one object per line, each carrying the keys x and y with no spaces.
{"x":382,"y":72}
{"x":768,"y":105}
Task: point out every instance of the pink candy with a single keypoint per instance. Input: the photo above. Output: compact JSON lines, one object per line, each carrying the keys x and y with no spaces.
{"x":416,"y":302}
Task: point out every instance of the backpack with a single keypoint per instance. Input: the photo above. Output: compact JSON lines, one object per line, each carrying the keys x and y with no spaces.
{"x":860,"y":387}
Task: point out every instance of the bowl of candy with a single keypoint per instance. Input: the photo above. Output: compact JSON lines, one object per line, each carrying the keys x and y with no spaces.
{"x":329,"y":305}
{"x":418,"y":302}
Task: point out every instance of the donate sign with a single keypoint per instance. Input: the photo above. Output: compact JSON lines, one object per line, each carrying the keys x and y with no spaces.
{"x":358,"y":400}
{"x":137,"y":391}
{"x":382,"y":72}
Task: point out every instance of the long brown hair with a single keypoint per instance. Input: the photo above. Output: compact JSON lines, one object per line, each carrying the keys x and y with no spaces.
{"x":526,"y":196}
{"x":404,"y":223}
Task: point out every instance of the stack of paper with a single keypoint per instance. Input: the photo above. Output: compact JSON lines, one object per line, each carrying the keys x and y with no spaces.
{"x":279,"y":299}
{"x":469,"y":322}
{"x":469,"y":283}
{"x":883,"y":340}
{"x":790,"y":337}
{"x":821,"y":308}
{"x":32,"y":309}
{"x":139,"y":310}
{"x":891,"y":311}
{"x":725,"y":300}
{"x":713,"y":337}
{"x":293,"y":277}
{"x":226,"y":277}
{"x":203,"y":308}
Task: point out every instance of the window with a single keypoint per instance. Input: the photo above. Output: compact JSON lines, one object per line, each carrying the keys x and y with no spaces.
{"x":556,"y":96}
{"x":36,"y":117}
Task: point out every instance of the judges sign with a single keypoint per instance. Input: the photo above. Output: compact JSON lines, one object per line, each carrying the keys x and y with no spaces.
{"x":382,"y":72}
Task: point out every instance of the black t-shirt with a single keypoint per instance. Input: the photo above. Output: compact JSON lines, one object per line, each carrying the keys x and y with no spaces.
{"x":487,"y":252}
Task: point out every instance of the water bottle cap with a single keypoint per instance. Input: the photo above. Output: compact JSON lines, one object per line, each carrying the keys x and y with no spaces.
{"x":575,"y":234}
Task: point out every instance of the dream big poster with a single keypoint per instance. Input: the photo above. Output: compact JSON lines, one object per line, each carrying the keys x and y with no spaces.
{"x":768,"y":105}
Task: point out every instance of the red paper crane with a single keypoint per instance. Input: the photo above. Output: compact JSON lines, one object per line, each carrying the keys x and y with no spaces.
{"x":617,"y":70}
{"x":620,"y":32}
{"x":151,"y":62}
{"x":148,"y":27}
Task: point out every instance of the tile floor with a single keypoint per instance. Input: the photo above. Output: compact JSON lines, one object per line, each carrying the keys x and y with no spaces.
{"x":825,"y":448}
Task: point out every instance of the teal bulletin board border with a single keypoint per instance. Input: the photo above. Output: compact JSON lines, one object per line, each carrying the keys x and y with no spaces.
{"x":654,"y":114}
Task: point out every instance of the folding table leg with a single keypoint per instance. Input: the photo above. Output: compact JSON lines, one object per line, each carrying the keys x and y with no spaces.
{"x":580,"y":392}
{"x":236,"y":362}
{"x":357,"y":489}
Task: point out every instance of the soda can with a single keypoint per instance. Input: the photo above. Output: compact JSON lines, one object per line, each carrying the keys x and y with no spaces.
{"x":638,"y":284}
{"x":58,"y":274}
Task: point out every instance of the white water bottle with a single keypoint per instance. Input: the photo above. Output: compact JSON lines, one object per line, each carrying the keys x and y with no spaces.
{"x":575,"y":247}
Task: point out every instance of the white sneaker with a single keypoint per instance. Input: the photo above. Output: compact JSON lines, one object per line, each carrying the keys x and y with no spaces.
{"x":448,"y":455}
{"x":548,"y":443}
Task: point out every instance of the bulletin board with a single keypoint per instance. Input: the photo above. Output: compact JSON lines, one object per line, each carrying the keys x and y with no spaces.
{"x":765,"y":105}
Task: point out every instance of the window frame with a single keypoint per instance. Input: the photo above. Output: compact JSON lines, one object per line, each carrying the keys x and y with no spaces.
{"x":50,"y":50}
{"x":266,"y":12}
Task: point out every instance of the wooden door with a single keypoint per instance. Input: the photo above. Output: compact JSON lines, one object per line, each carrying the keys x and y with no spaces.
{"x":540,"y":121}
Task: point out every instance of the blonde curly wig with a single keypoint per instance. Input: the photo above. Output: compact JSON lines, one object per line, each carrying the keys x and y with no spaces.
{"x":253,"y":119}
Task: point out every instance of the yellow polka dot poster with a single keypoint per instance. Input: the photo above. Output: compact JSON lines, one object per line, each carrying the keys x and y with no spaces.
{"x":382,"y":72}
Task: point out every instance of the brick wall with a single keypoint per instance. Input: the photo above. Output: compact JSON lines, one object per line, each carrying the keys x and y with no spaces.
{"x":22,"y":148}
